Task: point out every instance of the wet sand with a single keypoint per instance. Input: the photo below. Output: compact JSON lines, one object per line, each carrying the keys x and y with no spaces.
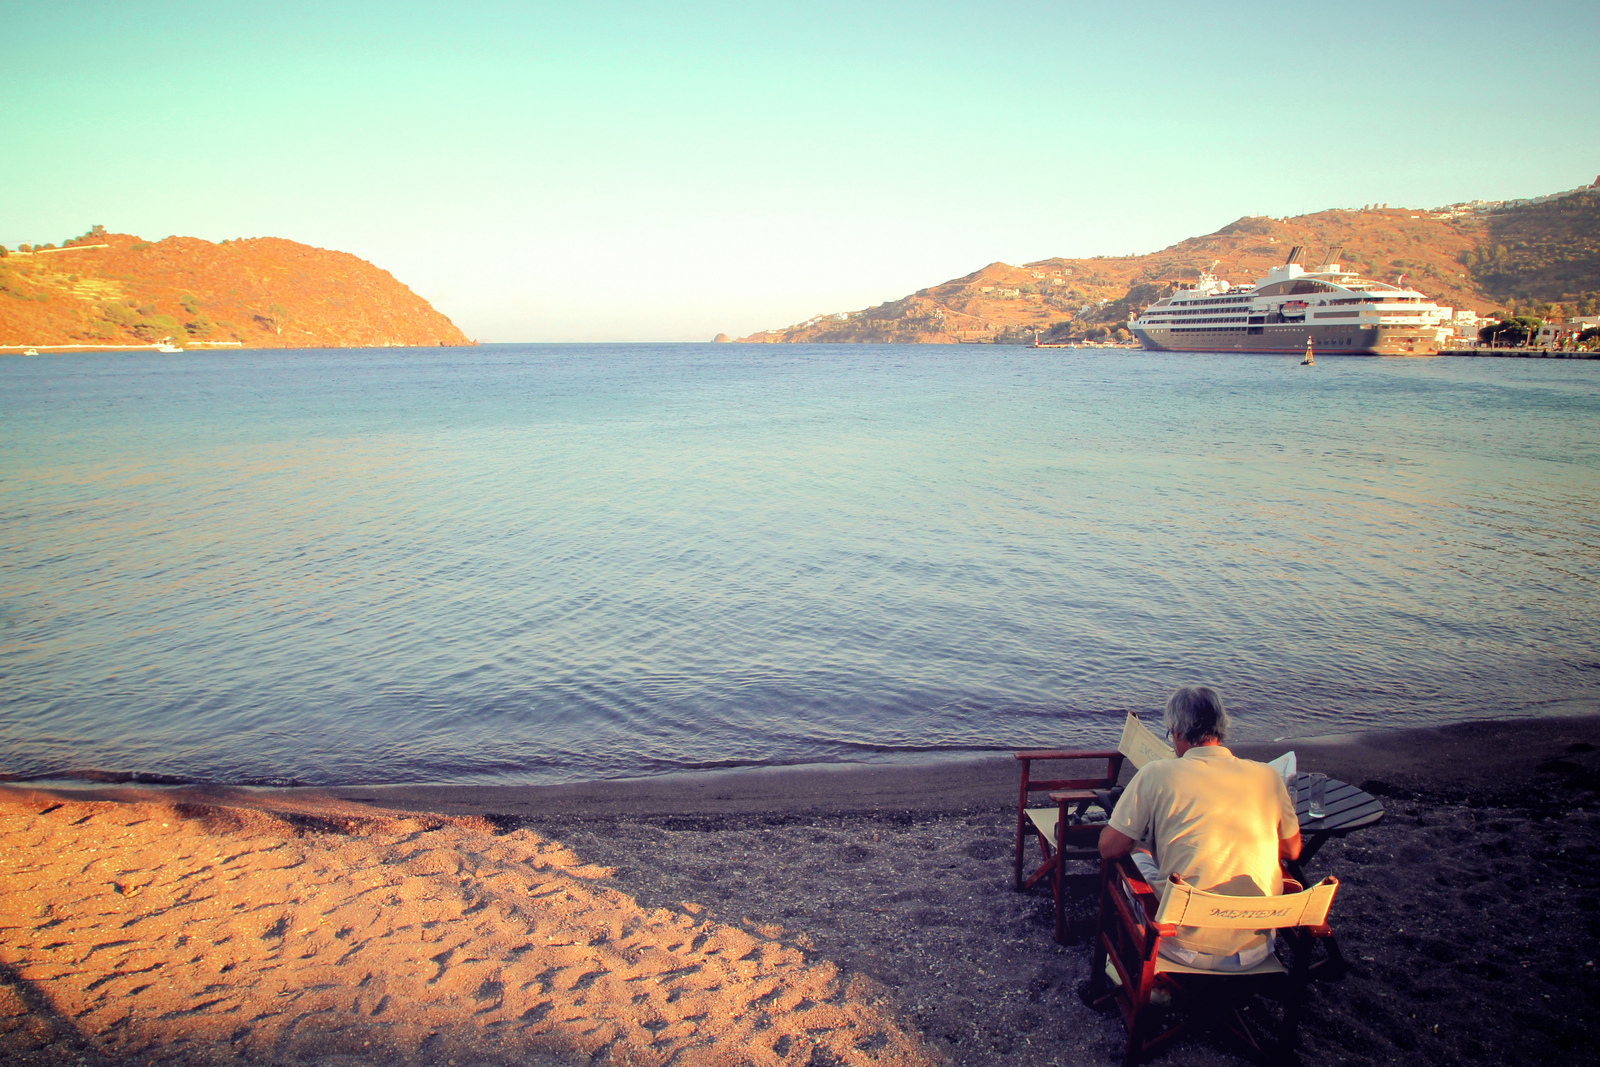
{"x":801,"y":917}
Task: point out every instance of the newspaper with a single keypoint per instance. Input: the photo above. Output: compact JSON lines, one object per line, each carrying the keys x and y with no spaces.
{"x":1140,"y":745}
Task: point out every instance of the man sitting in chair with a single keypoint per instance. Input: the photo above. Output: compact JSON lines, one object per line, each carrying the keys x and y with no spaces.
{"x":1220,"y":822}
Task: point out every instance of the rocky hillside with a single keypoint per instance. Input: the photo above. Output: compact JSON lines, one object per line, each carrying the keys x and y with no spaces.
{"x":262,"y":292}
{"x":1485,"y":257}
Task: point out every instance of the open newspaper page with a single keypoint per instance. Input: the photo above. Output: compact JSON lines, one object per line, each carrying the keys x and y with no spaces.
{"x":1140,"y":745}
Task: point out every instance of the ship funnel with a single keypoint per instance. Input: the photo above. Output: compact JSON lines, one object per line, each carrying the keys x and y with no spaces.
{"x":1332,"y":258}
{"x":1294,"y":254}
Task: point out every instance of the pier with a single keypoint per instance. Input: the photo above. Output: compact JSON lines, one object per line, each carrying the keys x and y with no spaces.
{"x":1520,"y":353}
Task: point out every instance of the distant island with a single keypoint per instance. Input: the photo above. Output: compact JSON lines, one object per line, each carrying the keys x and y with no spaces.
{"x":114,"y":290}
{"x":1514,"y":257}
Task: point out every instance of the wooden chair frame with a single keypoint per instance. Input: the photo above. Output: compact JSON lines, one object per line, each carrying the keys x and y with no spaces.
{"x":1061,"y":832}
{"x":1128,"y":936}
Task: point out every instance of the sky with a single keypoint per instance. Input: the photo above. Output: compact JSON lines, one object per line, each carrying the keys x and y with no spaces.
{"x":605,"y":171}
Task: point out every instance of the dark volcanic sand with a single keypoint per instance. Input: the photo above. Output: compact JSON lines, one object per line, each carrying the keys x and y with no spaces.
{"x":1469,"y":914}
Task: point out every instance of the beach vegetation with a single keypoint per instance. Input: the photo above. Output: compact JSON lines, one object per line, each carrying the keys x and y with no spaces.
{"x":190,"y":304}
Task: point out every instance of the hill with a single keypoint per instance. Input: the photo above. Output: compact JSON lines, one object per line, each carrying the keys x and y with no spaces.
{"x":262,"y":292}
{"x":1483,"y":256}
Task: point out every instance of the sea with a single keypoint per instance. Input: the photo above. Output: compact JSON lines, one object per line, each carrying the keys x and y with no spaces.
{"x":524,"y":564}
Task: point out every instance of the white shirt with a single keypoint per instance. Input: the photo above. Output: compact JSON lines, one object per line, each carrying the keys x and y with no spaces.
{"x":1215,"y":820}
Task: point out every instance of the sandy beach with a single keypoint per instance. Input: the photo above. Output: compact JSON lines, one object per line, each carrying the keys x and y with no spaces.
{"x":802,"y":917}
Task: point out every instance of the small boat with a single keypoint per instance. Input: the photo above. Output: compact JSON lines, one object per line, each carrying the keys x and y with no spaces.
{"x":167,"y":346}
{"x":1308,"y":361}
{"x":31,"y":352}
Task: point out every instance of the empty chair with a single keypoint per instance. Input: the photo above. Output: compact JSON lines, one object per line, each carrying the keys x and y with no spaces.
{"x":1062,"y":831}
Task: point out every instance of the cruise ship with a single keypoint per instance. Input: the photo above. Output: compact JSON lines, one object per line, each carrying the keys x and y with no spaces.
{"x":1333,"y":309}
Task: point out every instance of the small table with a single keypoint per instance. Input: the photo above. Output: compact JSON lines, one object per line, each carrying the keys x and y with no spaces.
{"x":1347,"y":807}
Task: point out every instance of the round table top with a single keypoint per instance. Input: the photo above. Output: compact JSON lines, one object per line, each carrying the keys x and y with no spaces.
{"x":1347,"y":807}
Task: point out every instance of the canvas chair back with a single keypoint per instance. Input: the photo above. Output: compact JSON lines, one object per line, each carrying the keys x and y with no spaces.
{"x":1184,"y":905}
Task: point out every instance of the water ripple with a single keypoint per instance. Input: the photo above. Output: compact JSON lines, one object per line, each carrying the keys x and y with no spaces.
{"x":549,"y":563}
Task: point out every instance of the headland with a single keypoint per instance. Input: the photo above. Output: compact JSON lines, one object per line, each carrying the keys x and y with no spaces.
{"x":113,"y":291}
{"x":1486,"y":256}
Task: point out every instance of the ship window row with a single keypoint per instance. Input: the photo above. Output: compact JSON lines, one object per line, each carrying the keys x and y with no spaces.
{"x":1211,"y":329}
{"x":1191,"y":322}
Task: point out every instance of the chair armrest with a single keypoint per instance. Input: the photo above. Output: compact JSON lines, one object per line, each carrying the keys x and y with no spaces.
{"x":1050,"y":753}
{"x":1071,"y":796}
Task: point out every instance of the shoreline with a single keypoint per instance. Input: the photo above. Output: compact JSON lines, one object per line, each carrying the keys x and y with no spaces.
{"x":1352,"y":754}
{"x":860,"y":915}
{"x":1461,"y":759}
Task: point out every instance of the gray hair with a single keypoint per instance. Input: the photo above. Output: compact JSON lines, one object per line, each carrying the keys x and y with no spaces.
{"x":1195,"y":714}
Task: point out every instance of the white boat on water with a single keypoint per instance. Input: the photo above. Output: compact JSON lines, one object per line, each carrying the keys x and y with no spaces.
{"x":168,"y":346}
{"x":1291,"y":308}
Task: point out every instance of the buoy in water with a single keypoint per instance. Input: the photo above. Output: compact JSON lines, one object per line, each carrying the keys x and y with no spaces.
{"x":1308,"y":361}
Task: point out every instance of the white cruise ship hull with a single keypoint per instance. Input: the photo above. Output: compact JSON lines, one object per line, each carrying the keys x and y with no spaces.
{"x":1291,"y":338}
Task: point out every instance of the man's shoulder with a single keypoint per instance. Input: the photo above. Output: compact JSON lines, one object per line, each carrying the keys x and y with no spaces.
{"x":1202,"y":762}
{"x":1157,"y":772}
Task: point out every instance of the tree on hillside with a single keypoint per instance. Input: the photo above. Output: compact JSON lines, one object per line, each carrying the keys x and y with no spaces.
{"x":1510,"y":332}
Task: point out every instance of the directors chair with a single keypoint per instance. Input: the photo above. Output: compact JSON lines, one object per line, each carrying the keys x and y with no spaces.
{"x":1161,"y":999}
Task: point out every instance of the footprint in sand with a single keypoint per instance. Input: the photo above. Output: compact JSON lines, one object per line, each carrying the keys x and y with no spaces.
{"x":210,"y":930}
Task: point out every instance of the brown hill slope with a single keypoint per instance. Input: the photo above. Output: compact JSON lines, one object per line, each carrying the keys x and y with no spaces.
{"x":264,"y":292}
{"x":1481,"y":257}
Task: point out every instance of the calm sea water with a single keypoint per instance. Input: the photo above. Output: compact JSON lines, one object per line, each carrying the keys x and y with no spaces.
{"x":551,"y":563}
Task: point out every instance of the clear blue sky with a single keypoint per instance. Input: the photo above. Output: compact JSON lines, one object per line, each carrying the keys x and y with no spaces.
{"x":630,"y":171}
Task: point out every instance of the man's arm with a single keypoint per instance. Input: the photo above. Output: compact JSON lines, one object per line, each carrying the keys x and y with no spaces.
{"x":1114,"y":844}
{"x":1288,"y":847}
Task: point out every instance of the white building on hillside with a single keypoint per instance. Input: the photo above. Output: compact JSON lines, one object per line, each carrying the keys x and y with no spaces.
{"x":1552,"y":333}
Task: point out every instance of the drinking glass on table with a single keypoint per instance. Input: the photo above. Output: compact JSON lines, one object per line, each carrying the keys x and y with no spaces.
{"x":1317,"y":808}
